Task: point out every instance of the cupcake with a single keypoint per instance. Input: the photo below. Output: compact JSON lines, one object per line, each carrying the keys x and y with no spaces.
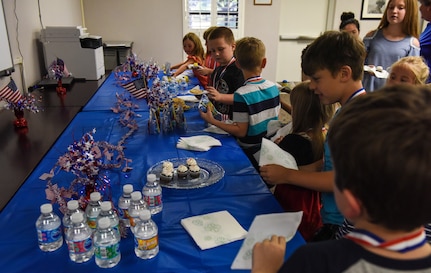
{"x":166,"y":175}
{"x":182,"y":171}
{"x":195,"y":171}
{"x":191,"y":161}
{"x":168,"y":165}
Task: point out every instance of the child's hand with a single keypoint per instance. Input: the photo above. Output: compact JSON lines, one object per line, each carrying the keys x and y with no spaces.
{"x":213,"y":93}
{"x":268,"y":256}
{"x":278,"y":140}
{"x":208,"y":115}
{"x":203,"y":70}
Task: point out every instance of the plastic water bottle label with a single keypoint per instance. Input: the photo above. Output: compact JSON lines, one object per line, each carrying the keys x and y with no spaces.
{"x":92,"y":222}
{"x":123,"y":214}
{"x":147,"y":244}
{"x":80,"y":247}
{"x":107,"y":252}
{"x":153,"y":201}
{"x":49,"y":236}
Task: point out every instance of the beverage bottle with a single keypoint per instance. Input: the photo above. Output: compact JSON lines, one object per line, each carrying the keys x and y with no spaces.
{"x":79,"y":239}
{"x":106,"y":244}
{"x":48,"y":226}
{"x":137,"y":204}
{"x":124,"y":204}
{"x":152,"y":193}
{"x":107,"y":211}
{"x":146,"y":236}
{"x":72,"y":207}
{"x":93,"y":209}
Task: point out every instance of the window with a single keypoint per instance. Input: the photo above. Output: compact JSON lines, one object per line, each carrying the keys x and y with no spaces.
{"x":201,"y":14}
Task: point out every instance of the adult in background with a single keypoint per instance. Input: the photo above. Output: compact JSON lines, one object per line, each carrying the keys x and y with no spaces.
{"x":425,"y":38}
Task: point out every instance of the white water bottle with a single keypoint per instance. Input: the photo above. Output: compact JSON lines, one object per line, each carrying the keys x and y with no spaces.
{"x":137,"y":204}
{"x":107,"y":211}
{"x":79,"y":239}
{"x":72,"y":207}
{"x":106,"y":244}
{"x":146,"y":236}
{"x":93,"y":209}
{"x":152,"y":193}
{"x":48,"y":226}
{"x":124,"y":204}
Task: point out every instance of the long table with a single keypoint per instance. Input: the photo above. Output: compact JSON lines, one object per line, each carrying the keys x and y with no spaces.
{"x":241,"y":192}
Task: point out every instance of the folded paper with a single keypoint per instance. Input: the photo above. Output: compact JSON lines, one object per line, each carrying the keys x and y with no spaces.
{"x":213,"y":229}
{"x":281,"y":224}
{"x":271,"y":153}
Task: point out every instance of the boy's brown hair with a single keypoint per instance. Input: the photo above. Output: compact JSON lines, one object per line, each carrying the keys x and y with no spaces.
{"x":380,"y":145}
{"x":333,"y":50}
{"x":222,"y":32}
{"x":249,"y":53}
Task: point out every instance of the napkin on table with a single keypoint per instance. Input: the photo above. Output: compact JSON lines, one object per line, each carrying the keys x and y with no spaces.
{"x":271,"y":153}
{"x":213,"y":229}
{"x":200,"y":143}
{"x":263,"y":227}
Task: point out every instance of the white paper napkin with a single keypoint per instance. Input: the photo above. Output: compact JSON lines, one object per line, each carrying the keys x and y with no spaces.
{"x":271,"y":153}
{"x":188,"y":98}
{"x":213,"y":229}
{"x":263,"y":227}
{"x":200,"y":143}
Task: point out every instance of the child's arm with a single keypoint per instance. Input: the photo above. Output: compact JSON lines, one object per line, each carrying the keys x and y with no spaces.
{"x":238,"y":129}
{"x":219,"y":97}
{"x":318,"y":181}
{"x":182,"y":67}
{"x":268,"y":256}
{"x":204,"y":70}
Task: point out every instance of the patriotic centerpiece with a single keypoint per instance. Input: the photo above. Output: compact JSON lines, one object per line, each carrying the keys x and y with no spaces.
{"x":135,"y":75}
{"x":86,"y":159}
{"x":18,"y":103}
{"x":57,"y":70}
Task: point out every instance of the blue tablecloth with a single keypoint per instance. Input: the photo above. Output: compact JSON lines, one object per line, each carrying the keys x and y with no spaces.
{"x":106,"y":99}
{"x":241,"y":192}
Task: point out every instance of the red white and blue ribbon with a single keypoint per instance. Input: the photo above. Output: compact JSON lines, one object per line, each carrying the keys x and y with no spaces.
{"x":404,"y":244}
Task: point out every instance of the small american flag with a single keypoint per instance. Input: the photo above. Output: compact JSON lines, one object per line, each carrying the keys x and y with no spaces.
{"x":137,"y":88}
{"x":10,"y":92}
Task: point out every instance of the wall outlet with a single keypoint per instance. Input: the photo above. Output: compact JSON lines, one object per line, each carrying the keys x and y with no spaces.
{"x":17,"y":60}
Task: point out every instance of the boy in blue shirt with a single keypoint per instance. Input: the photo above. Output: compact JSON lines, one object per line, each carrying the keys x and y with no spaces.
{"x":334,"y":63}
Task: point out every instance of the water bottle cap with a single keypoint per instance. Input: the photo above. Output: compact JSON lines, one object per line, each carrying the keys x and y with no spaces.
{"x":46,"y":208}
{"x":128,"y":188}
{"x":72,"y":205}
{"x":95,"y":196}
{"x":151,"y":177}
{"x":145,"y":215}
{"x":103,"y":222}
{"x":106,"y":205}
{"x":136,"y":195}
{"x":77,"y":217}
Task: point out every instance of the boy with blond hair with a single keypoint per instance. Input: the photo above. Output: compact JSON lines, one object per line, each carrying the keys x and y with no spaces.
{"x":254,"y":104}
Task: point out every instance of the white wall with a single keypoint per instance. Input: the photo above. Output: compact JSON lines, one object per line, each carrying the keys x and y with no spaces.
{"x":53,"y":12}
{"x":157,"y":30}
